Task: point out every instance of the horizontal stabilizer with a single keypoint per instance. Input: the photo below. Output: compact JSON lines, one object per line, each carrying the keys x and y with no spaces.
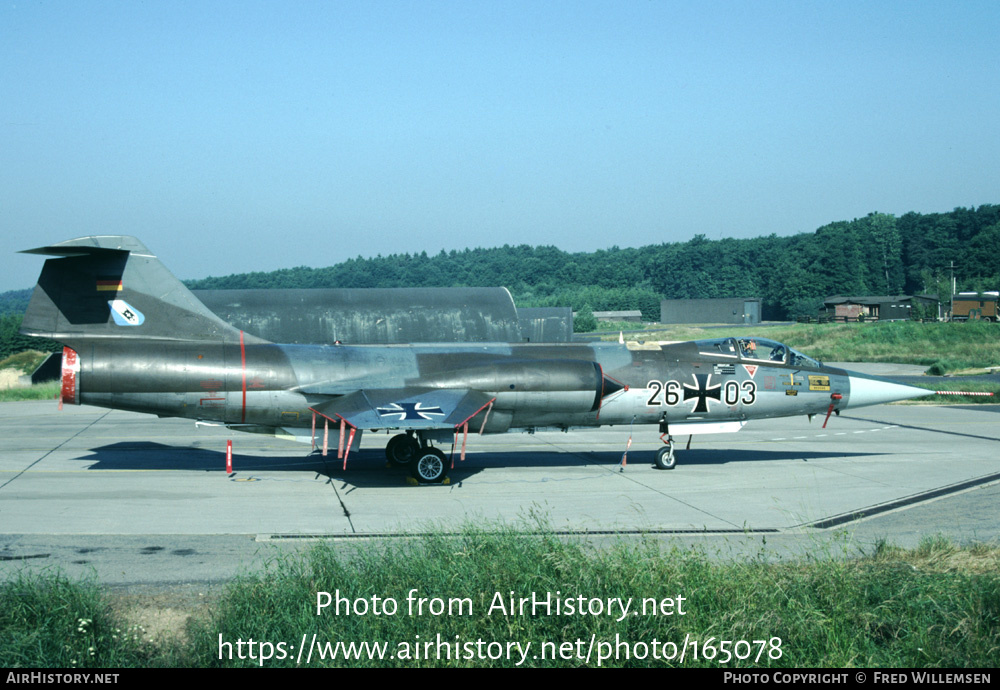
{"x":405,"y":408}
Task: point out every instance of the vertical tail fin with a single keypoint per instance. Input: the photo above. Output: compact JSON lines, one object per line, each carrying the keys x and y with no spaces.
{"x":111,"y":287}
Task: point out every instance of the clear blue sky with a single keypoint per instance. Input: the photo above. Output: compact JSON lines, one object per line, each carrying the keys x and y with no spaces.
{"x":241,"y":136}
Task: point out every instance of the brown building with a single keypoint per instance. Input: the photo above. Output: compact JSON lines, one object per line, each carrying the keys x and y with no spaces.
{"x":972,"y":306}
{"x":878,"y":307}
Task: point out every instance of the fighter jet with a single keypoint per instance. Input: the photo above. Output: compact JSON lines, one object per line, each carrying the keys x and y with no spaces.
{"x":135,"y":338}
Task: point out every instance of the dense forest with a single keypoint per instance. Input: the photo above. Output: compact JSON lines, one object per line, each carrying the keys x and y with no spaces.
{"x":879,"y":254}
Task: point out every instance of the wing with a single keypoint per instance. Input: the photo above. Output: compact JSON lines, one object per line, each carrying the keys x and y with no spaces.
{"x":405,"y":408}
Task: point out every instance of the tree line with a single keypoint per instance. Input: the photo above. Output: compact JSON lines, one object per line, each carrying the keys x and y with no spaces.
{"x":880,"y":254}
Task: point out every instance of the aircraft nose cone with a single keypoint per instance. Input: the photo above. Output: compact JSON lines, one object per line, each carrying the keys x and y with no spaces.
{"x":874,"y":391}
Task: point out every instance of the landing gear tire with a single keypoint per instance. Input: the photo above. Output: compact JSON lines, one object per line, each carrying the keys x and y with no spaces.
{"x":665,"y":459}
{"x":429,"y":466}
{"x":401,"y":449}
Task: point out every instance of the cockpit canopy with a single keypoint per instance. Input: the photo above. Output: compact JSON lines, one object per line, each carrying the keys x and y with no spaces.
{"x":756,"y":350}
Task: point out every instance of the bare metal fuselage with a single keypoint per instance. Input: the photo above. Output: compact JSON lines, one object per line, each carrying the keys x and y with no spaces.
{"x":533,"y":385}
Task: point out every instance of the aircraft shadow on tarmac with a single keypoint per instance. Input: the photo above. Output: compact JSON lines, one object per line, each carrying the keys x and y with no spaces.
{"x":146,"y":455}
{"x":367,"y":468}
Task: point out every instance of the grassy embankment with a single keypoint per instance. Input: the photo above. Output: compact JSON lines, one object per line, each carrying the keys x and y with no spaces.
{"x":944,"y":348}
{"x":935,"y":606}
{"x":952,"y":347}
{"x":21,"y":364}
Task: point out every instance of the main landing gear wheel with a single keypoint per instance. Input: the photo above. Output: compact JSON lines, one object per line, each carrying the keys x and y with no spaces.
{"x":401,"y":449}
{"x":665,"y":459}
{"x":429,"y":466}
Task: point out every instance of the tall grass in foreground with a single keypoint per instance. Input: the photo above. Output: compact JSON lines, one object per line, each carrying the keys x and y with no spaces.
{"x":936,"y":606}
{"x":49,"y":621}
{"x":889,"y":609}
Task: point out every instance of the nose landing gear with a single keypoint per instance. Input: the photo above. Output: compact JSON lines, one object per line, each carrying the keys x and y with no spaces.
{"x":665,"y":458}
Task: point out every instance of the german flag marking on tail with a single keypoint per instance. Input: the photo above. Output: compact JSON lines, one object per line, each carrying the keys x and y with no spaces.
{"x":109,"y":284}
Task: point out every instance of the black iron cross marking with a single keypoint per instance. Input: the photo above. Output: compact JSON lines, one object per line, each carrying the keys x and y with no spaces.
{"x":702,"y":391}
{"x":409,"y":410}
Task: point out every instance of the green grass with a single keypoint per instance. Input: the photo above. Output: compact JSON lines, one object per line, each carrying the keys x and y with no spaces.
{"x":40,"y":391}
{"x":950,"y":346}
{"x":49,"y":621}
{"x":24,"y":363}
{"x":620,"y":326}
{"x":956,"y":345}
{"x":938,"y":605}
{"x":960,"y":399}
